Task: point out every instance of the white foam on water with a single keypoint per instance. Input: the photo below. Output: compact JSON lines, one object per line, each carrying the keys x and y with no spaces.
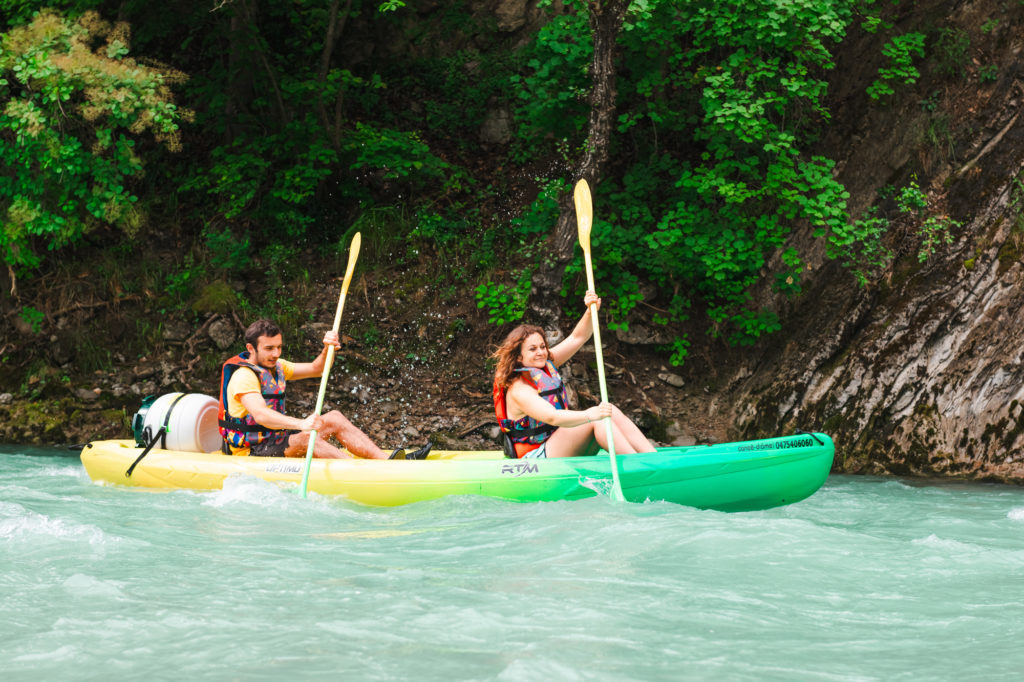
{"x":62,"y":471}
{"x":248,"y":490}
{"x":934,"y":540}
{"x":601,"y":486}
{"x":29,"y":525}
{"x":241,"y":490}
{"x":80,"y":583}
{"x":64,"y":653}
{"x":1016,"y":514}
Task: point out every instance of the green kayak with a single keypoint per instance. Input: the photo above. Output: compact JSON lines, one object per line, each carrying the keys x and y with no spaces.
{"x":739,"y":476}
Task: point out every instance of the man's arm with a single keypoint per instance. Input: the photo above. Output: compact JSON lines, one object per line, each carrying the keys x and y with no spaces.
{"x":272,"y":419}
{"x":307,"y":370}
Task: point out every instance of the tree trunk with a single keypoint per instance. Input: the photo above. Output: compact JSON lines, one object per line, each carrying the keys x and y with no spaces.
{"x":258,"y":48}
{"x":606,"y":19}
{"x":335,"y":27}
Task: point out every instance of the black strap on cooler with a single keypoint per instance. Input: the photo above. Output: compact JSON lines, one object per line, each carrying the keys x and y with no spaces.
{"x":149,"y":446}
{"x":242,"y":428}
{"x":160,"y":435}
{"x":167,"y":420}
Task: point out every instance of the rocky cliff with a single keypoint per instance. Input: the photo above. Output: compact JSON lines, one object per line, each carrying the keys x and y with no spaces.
{"x":919,"y":372}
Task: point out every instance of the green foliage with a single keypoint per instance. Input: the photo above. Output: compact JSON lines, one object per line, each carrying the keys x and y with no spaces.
{"x":270,"y":178}
{"x":179,"y":284}
{"x":951,"y":51}
{"x":719,"y":103}
{"x":860,"y":248}
{"x":73,"y":106}
{"x":678,"y":350}
{"x":275,"y":178}
{"x":227,"y":253}
{"x":911,"y":199}
{"x":453,"y":93}
{"x":933,"y":230}
{"x":287,"y":278}
{"x":552,"y":94}
{"x":394,"y":155}
{"x":988,"y":73}
{"x":32,"y":317}
{"x":216,"y":297}
{"x":543,"y":213}
{"x":505,"y":303}
{"x":901,"y":51}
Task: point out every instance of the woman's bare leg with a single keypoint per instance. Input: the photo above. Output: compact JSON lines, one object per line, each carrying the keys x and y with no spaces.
{"x":585,"y":439}
{"x":572,"y":441}
{"x":631,"y":431}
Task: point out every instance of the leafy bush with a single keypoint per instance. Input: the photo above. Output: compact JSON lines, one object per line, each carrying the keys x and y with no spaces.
{"x":73,"y":105}
{"x":227,"y":253}
{"x":717,"y":103}
{"x":505,"y":303}
{"x":552,"y":94}
{"x":901,"y":51}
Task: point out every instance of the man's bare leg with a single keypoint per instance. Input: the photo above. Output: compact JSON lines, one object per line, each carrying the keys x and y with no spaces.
{"x":355,"y":441}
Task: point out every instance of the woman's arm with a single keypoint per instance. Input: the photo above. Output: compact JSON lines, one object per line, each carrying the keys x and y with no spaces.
{"x":523,"y":399}
{"x":584,"y":329}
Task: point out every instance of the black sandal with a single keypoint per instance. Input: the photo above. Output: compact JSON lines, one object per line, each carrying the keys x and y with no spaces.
{"x":421,"y":453}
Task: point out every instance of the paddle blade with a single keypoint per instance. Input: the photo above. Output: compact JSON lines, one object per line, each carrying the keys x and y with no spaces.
{"x":353,"y":256}
{"x":584,"y":213}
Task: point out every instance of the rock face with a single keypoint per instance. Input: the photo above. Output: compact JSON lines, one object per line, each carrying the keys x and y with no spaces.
{"x":497,"y":127}
{"x":919,"y":373}
{"x":917,"y":379}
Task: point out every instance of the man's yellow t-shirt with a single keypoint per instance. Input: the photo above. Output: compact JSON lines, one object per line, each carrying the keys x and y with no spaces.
{"x":243,"y":381}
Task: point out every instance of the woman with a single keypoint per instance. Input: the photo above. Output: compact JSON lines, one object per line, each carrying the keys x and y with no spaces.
{"x":531,"y":404}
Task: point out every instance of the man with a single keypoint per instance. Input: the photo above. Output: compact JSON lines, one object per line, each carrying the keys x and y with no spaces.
{"x":252,"y":418}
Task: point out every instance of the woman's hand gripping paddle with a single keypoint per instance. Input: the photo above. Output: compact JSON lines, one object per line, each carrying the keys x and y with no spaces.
{"x":584,"y":220}
{"x":353,"y":256}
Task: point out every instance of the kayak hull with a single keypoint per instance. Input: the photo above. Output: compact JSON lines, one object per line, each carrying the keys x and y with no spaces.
{"x":740,"y":476}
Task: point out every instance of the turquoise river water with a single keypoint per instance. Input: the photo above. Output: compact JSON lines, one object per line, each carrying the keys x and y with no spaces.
{"x":869,"y":579}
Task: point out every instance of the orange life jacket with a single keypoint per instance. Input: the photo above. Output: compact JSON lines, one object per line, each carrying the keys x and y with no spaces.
{"x":527,"y":433}
{"x":245,"y":432}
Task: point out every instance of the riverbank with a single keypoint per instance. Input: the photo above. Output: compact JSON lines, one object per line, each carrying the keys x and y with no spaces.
{"x":413,"y":366}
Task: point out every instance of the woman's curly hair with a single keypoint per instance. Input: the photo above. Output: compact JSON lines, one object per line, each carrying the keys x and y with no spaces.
{"x":507,"y":354}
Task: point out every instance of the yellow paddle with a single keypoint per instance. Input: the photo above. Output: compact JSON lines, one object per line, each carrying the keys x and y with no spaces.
{"x":353,"y":256}
{"x":584,"y":220}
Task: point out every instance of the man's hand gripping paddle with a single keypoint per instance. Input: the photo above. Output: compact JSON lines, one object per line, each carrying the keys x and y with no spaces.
{"x":353,"y":256}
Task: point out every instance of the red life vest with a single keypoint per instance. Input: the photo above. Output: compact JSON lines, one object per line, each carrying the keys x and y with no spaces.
{"x":527,"y":434}
{"x":245,"y":432}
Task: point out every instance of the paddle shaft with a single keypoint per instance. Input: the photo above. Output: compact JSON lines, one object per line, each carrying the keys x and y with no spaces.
{"x":353,"y":255}
{"x":584,"y":218}
{"x":617,"y":485}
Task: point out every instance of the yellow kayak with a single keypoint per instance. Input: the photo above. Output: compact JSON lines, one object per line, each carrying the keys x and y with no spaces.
{"x":740,"y":476}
